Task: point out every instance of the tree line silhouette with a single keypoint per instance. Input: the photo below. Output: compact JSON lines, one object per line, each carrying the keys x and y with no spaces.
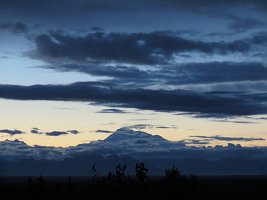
{"x":114,"y":184}
{"x":117,"y":184}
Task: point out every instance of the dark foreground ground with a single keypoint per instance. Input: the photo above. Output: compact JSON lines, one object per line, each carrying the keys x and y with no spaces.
{"x":203,"y":187}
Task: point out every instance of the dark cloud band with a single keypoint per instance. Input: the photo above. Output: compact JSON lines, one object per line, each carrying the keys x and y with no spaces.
{"x":207,"y":104}
{"x":132,"y":48}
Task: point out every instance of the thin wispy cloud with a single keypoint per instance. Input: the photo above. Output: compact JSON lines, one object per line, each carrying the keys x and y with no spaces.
{"x":224,"y":138}
{"x":103,"y":131}
{"x":112,"y":110}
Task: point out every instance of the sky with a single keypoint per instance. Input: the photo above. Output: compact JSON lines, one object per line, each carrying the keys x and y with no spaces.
{"x":72,"y":72}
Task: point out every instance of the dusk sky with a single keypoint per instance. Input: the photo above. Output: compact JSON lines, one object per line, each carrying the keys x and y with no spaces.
{"x":75,"y":71}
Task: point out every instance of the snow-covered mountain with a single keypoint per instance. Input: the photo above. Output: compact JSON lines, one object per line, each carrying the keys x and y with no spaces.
{"x":126,"y":141}
{"x":127,"y":135}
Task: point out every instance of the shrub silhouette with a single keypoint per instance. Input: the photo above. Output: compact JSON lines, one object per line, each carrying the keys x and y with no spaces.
{"x":70,"y":185}
{"x":120,"y":171}
{"x":111,"y":176}
{"x":93,"y":170}
{"x":172,"y":173}
{"x":141,"y":171}
{"x":40,"y":182}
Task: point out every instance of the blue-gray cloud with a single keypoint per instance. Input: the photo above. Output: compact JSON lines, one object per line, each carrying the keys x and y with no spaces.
{"x":149,"y":126}
{"x":206,"y":104}
{"x":124,"y":5}
{"x":133,"y":48}
{"x":177,"y":74}
{"x":11,"y":132}
{"x":16,"y":28}
{"x":56,"y":133}
{"x":36,"y":131}
{"x":73,"y":131}
{"x":112,"y":110}
{"x":196,"y":142}
{"x":240,"y":24}
{"x":103,"y":131}
{"x":224,"y":138}
{"x":93,"y":53}
{"x":59,"y":133}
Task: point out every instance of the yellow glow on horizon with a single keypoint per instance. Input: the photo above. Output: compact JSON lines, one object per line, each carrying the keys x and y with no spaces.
{"x":64,"y":116}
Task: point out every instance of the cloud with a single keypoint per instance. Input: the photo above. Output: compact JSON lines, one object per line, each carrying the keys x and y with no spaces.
{"x":196,"y":142}
{"x":188,"y":5}
{"x":206,"y":104}
{"x":125,"y":5}
{"x":223,"y":138}
{"x":119,"y":56}
{"x":56,"y":133}
{"x":74,"y":131}
{"x":17,"y":28}
{"x":240,"y":24}
{"x":36,"y":131}
{"x":234,"y":121}
{"x":97,"y":29}
{"x":11,"y":132}
{"x":59,"y":133}
{"x":103,"y":131}
{"x":257,"y":118}
{"x":165,"y":127}
{"x":260,"y":38}
{"x":163,"y":152}
{"x":215,"y":72}
{"x":211,"y":160}
{"x":140,"y":126}
{"x":174,"y":74}
{"x":19,"y":150}
{"x":132,"y":48}
{"x":112,"y":110}
{"x":205,"y":4}
{"x":149,"y":126}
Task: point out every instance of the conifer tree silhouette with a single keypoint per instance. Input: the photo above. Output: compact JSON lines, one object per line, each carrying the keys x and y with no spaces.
{"x":141,"y":171}
{"x":172,"y":173}
{"x":93,"y":170}
{"x":120,"y":171}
